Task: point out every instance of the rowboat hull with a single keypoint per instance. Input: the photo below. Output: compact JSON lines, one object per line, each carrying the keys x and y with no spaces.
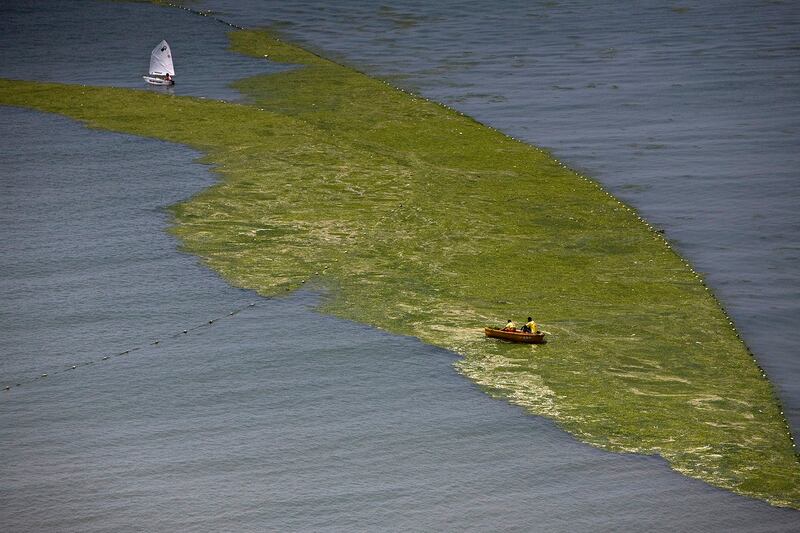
{"x":516,"y":336}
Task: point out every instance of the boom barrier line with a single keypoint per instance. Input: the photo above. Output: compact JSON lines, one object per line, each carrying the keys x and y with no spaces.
{"x":201,"y":13}
{"x":109,"y":356}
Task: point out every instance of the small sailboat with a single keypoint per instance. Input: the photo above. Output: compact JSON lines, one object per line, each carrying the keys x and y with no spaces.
{"x":162,"y":72}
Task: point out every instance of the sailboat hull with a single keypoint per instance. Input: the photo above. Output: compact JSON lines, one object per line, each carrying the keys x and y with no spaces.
{"x":155,"y":80}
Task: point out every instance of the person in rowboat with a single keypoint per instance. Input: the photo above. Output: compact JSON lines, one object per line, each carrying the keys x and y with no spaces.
{"x":510,"y":326}
{"x":530,"y":327}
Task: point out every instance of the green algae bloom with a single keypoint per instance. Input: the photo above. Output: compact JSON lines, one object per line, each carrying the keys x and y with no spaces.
{"x":418,"y":220}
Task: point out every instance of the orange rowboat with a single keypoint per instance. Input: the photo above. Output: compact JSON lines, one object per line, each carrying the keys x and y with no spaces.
{"x":516,"y":336}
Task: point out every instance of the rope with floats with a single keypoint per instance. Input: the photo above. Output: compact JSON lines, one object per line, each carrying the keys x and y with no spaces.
{"x":109,"y":356}
{"x":207,"y":13}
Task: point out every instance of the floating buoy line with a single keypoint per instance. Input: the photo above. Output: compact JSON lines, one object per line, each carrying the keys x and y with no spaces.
{"x":206,"y":13}
{"x":109,"y":356}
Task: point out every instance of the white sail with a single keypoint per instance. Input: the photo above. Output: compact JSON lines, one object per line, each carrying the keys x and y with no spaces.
{"x":161,"y":60}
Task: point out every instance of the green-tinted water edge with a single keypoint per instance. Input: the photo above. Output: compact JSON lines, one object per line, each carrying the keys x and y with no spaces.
{"x":418,"y":220}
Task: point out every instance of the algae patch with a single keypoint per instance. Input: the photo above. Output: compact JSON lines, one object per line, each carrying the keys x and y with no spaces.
{"x":421,"y":221}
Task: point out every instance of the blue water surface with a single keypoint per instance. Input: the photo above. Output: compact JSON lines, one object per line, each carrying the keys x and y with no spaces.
{"x":242,"y":424}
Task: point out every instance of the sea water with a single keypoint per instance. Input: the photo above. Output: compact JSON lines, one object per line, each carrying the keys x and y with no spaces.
{"x":239,"y":423}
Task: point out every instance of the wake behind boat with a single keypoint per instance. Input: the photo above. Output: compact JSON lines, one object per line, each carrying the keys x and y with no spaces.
{"x":162,"y":71}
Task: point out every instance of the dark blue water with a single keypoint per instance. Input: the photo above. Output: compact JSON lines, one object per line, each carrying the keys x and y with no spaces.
{"x":240,"y":425}
{"x":68,"y":42}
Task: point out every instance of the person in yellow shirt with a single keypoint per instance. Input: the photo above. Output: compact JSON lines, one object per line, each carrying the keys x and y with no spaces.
{"x":510,"y":326}
{"x":531,"y":326}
